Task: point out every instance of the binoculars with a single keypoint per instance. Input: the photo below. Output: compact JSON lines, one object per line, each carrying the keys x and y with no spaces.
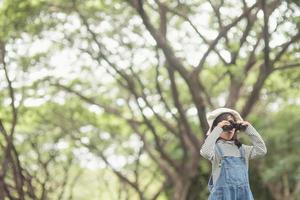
{"x":234,"y":125}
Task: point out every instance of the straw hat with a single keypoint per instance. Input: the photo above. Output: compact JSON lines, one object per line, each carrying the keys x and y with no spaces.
{"x":211,"y":116}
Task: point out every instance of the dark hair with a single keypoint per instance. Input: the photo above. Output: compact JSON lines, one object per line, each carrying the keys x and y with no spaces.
{"x":222,"y":117}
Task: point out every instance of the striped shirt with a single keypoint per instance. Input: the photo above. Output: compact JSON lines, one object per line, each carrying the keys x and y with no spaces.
{"x":257,"y":149}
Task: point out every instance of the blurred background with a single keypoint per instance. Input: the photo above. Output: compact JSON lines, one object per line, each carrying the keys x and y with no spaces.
{"x":106,"y":99}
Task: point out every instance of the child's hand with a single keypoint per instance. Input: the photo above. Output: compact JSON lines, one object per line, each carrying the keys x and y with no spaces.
{"x":223,"y":123}
{"x":244,"y":123}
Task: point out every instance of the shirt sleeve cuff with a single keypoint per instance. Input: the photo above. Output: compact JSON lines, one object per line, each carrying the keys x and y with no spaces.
{"x":250,"y":130}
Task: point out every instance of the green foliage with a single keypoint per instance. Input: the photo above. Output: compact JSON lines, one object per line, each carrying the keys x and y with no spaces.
{"x":64,"y":123}
{"x":16,"y":15}
{"x":283,"y":142}
{"x":280,"y":130}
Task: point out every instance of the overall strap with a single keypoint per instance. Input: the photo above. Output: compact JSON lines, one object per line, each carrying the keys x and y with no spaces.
{"x":242,"y":152}
{"x":210,"y":184}
{"x":219,"y":150}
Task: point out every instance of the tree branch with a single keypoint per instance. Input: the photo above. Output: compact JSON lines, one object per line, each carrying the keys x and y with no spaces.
{"x":186,"y":18}
{"x":287,"y":66}
{"x":160,"y":40}
{"x":221,"y":34}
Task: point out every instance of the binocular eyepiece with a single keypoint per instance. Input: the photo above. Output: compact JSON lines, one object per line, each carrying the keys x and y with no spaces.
{"x":234,"y":125}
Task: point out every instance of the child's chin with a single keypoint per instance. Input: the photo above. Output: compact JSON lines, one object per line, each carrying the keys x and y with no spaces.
{"x":229,"y":138}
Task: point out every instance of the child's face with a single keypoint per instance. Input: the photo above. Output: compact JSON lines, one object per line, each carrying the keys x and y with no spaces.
{"x":228,"y":135}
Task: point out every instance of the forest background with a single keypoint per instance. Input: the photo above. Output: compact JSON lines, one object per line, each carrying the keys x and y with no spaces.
{"x":106,"y":99}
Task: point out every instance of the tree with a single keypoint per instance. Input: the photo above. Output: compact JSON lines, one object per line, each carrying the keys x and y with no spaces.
{"x":155,"y":68}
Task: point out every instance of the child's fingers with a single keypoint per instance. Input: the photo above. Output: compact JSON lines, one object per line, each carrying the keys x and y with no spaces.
{"x":223,"y":123}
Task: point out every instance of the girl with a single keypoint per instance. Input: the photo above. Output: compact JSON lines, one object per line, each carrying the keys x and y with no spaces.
{"x":229,"y":158}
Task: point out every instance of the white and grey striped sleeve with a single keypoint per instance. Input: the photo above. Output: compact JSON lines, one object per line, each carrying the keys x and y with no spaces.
{"x":207,"y":149}
{"x":258,"y":147}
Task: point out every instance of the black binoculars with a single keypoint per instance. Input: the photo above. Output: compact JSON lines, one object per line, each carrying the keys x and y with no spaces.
{"x":234,"y":125}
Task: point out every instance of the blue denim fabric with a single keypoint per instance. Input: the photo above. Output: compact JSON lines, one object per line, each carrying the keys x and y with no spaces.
{"x":233,"y":182}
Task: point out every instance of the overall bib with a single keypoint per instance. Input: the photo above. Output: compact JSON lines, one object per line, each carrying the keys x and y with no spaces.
{"x":233,"y":183}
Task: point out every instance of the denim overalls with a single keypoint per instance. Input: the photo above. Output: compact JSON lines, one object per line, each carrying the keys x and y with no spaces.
{"x":233,"y":183}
